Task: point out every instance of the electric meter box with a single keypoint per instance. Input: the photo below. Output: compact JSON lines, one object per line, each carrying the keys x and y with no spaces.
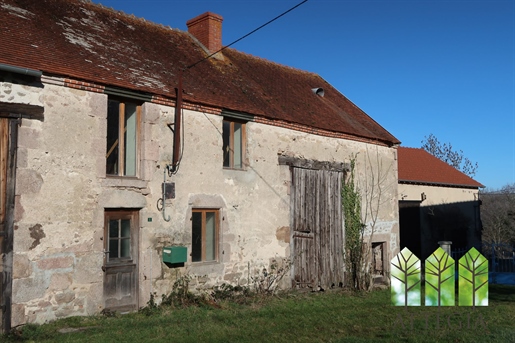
{"x":175,"y":254}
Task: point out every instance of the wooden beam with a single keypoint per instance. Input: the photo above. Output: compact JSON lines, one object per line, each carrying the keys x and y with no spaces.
{"x":312,"y":164}
{"x":15,"y":110}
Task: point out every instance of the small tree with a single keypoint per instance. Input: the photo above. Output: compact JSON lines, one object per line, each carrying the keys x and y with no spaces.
{"x":445,"y":152}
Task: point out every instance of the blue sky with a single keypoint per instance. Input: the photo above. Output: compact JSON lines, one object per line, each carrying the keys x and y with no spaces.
{"x":445,"y":67}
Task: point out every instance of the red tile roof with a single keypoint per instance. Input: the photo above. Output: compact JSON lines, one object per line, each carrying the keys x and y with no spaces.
{"x":419,"y":166}
{"x":87,"y":41}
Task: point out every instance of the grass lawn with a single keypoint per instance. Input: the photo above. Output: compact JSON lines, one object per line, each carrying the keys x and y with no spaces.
{"x":294,"y":317}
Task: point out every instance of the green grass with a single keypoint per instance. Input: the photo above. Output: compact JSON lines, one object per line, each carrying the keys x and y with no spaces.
{"x":295,"y":317}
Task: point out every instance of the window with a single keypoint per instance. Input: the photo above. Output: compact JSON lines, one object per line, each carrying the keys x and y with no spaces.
{"x":233,"y":143}
{"x":204,"y":235}
{"x":378,"y":257}
{"x":119,"y":228}
{"x":123,"y":120}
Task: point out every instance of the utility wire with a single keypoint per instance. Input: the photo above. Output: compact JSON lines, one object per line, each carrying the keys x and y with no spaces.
{"x":214,"y":53}
{"x":248,"y":34}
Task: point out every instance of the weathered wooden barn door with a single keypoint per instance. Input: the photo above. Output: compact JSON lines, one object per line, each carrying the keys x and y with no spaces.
{"x":316,"y":221}
{"x":10,"y":118}
{"x":121,"y":260}
{"x":8,"y":143}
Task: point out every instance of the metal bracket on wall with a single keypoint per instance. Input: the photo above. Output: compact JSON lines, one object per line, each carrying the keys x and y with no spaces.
{"x":167,"y":192}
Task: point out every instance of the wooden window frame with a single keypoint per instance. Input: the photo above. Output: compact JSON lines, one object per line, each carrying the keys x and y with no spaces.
{"x":231,"y":143}
{"x":203,"y":211}
{"x":133,"y":216}
{"x":120,"y":142}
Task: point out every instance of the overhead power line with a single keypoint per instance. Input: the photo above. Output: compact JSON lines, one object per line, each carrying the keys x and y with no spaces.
{"x":248,"y":34}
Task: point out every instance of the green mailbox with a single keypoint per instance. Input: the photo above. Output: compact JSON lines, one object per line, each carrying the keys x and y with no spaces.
{"x":175,"y":254}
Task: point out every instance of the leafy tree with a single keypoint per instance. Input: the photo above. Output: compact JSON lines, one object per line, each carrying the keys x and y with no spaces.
{"x":445,"y":152}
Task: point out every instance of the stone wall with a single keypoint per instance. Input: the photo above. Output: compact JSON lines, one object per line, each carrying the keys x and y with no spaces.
{"x":62,"y":192}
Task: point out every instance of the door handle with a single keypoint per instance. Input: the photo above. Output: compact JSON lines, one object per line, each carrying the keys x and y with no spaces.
{"x":105,"y":258}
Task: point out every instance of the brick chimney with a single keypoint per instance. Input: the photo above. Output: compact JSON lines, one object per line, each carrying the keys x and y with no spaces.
{"x":207,"y":28}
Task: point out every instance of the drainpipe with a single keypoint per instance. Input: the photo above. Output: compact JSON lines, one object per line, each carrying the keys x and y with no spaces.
{"x":19,"y":70}
{"x":171,"y":169}
{"x":177,"y":127}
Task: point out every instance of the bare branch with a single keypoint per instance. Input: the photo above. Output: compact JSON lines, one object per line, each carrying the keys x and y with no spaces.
{"x":445,"y":152}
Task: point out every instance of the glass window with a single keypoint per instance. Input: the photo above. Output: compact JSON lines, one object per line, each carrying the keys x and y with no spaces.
{"x":233,"y":144}
{"x":131,"y":111}
{"x":122,"y":138}
{"x":227,"y":143}
{"x":238,"y":144}
{"x":118,"y":234}
{"x":112,"y":137}
{"x":210,"y":236}
{"x":196,"y":236}
{"x":204,"y":235}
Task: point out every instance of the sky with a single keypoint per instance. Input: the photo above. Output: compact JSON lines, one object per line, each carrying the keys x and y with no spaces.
{"x":417,"y":67}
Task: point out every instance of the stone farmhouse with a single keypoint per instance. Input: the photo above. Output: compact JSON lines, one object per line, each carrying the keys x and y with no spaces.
{"x":129,"y":158}
{"x":437,"y":203}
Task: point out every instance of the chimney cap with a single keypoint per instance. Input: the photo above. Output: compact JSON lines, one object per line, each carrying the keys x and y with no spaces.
{"x":207,"y":30}
{"x":202,"y":16}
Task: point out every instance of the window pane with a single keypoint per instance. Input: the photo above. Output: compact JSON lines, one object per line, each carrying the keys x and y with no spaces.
{"x":210,"y":236}
{"x":226,"y":135}
{"x":196,"y":236}
{"x":238,"y":135}
{"x":113,"y":248}
{"x":113,"y":229}
{"x":114,"y":233}
{"x":113,"y":120}
{"x":126,"y":228}
{"x":130,"y":139}
{"x":125,"y":250}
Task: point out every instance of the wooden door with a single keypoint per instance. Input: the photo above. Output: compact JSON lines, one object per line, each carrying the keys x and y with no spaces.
{"x":317,"y":228}
{"x":8,"y":144}
{"x":121,"y":260}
